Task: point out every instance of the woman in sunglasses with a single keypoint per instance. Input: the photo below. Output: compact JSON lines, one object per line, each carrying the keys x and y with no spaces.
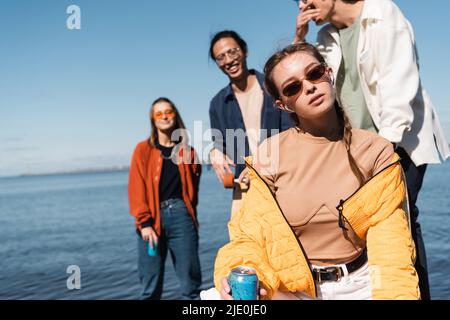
{"x":323,"y":218}
{"x":163,"y":189}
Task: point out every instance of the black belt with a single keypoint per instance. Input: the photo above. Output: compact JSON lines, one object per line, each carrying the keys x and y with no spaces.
{"x":336,"y":273}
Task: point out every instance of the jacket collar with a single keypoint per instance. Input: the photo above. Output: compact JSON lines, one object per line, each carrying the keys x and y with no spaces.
{"x":372,"y":10}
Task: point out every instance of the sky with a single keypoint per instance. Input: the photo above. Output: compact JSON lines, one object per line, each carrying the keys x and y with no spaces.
{"x":75,"y":99}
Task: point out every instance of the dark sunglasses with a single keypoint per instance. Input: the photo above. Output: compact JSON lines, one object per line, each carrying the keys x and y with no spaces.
{"x":316,"y":75}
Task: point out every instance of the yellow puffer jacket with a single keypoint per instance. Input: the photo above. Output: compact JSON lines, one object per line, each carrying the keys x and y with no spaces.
{"x":261,"y":238}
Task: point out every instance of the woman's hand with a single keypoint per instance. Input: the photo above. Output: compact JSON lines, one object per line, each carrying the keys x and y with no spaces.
{"x":243,"y":177}
{"x":304,"y":17}
{"x":149,"y":234}
{"x":225,"y":291}
{"x":221,"y":163}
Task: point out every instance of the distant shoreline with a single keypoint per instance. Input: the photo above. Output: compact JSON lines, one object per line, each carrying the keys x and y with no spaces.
{"x":80,"y":171}
{"x":74,"y":172}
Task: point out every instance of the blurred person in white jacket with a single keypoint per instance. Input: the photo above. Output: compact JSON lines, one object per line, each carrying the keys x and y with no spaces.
{"x":370,"y":46}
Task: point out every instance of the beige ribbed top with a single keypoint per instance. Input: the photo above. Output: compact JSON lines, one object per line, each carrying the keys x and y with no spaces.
{"x":250,"y":103}
{"x":309,"y":176}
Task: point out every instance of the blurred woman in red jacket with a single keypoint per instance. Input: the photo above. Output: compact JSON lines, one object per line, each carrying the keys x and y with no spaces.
{"x":162,"y":191}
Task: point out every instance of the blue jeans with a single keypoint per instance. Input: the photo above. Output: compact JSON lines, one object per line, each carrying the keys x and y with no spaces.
{"x":179,"y":236}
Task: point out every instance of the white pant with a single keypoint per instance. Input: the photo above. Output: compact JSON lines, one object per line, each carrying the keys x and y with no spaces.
{"x":354,"y":286}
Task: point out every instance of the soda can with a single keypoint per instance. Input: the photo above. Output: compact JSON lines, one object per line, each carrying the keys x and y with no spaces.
{"x":152,"y":251}
{"x":243,"y":283}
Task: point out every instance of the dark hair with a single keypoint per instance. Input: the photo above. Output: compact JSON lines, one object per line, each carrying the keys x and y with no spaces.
{"x":179,"y":124}
{"x":227,"y":34}
{"x":273,"y":92}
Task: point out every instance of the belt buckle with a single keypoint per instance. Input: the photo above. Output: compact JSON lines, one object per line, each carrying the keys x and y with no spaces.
{"x":165,"y":203}
{"x":337,"y":271}
{"x":333,"y":270}
{"x":318,"y":275}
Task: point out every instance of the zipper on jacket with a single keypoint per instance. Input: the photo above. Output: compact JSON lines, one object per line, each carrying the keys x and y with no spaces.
{"x":340,"y":206}
{"x":282,"y":214}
